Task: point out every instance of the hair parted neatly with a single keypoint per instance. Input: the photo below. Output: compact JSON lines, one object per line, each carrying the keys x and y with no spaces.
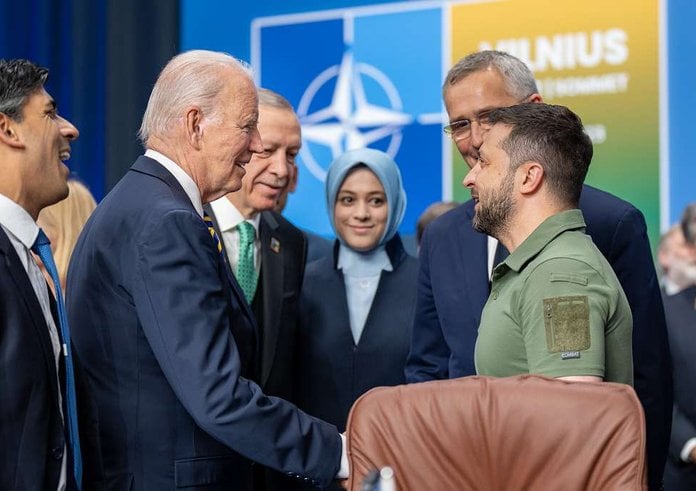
{"x":18,"y":80}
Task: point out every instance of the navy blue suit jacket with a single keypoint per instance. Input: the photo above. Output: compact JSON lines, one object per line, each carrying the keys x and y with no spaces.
{"x":31,"y":429}
{"x":453,"y":288}
{"x":165,"y":336}
{"x":32,"y":433}
{"x":680,"y":310}
{"x":332,"y":372}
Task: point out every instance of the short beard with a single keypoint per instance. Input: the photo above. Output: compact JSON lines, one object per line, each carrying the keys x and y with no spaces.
{"x":492,"y":219}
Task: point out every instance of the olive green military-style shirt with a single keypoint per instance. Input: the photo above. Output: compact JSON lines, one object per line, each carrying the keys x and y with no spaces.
{"x":556,"y":308}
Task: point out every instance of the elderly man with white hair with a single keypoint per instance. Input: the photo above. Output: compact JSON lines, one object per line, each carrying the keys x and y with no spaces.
{"x":161,"y":324}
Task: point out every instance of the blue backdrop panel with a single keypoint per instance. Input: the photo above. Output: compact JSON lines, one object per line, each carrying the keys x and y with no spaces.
{"x":67,"y":38}
{"x":356,"y":80}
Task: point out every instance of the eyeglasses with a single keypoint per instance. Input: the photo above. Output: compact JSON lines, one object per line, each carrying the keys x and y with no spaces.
{"x":461,"y":130}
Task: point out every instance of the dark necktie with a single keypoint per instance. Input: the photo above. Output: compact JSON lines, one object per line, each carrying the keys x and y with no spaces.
{"x":42,"y":248}
{"x":244,"y":337}
{"x":209,"y":222}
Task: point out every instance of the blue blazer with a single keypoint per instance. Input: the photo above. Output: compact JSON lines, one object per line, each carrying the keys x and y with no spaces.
{"x":680,"y":310}
{"x":453,"y":288}
{"x":166,"y":337}
{"x":332,"y":372}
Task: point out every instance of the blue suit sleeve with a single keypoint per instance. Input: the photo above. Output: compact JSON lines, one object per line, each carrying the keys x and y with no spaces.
{"x":429,"y":353}
{"x":631,"y":259}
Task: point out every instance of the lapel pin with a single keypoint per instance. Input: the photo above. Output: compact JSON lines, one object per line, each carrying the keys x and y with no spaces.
{"x":275,"y":245}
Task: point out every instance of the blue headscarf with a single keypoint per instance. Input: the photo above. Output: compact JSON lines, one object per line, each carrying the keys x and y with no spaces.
{"x":389,"y":176}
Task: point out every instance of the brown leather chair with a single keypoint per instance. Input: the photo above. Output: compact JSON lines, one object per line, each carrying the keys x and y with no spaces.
{"x":500,"y":434}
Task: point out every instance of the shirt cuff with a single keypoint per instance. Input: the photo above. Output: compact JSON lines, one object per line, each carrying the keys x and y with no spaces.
{"x":343,"y":471}
{"x":686,"y":451}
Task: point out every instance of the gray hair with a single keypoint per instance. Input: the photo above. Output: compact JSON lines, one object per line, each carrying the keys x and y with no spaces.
{"x":688,"y":224}
{"x":190,"y":78}
{"x":518,"y":77}
{"x":267,"y":97}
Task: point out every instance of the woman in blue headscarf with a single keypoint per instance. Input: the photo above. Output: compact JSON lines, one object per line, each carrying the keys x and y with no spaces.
{"x":356,"y":305}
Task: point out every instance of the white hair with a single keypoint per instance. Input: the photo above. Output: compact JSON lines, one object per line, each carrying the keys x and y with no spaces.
{"x":190,"y":78}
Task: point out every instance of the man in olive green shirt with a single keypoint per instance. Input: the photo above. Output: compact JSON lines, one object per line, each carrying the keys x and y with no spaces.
{"x":556,"y":307}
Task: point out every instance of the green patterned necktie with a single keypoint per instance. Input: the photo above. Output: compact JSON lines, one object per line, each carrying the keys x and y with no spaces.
{"x":246,"y":272}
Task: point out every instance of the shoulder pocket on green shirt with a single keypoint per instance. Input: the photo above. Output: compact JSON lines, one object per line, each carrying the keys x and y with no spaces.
{"x":567,"y":323}
{"x":570,"y":278}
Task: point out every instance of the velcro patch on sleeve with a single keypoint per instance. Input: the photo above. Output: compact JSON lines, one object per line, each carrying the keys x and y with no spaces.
{"x":579,"y":279}
{"x":567,"y":322}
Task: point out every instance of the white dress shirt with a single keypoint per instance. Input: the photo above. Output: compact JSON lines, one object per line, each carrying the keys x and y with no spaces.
{"x":190,"y":187}
{"x":361,"y":274}
{"x":228,"y":217}
{"x":22,"y":231}
{"x":492,"y":246}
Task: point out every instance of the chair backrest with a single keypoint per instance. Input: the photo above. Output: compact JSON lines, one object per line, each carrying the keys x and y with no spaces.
{"x":500,"y":434}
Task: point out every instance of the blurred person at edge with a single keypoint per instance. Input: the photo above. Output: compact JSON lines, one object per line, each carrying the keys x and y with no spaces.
{"x":676,"y":261}
{"x":680,"y":309}
{"x":431,"y":213}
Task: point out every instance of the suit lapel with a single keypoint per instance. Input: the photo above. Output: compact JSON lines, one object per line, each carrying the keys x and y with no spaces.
{"x":146,"y":165}
{"x":32,"y":306}
{"x":151,"y":167}
{"x":272,"y":270}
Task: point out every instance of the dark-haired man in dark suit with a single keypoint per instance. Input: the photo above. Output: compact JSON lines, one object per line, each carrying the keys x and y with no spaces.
{"x":34,"y":142}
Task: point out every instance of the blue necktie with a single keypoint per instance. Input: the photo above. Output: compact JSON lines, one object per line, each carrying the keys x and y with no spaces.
{"x":42,"y":248}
